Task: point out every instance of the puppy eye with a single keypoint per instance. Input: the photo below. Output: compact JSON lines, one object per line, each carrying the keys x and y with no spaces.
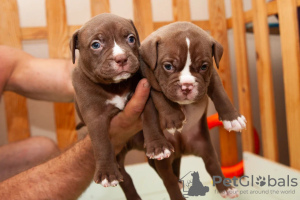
{"x":131,"y":39}
{"x":204,"y":67}
{"x":168,"y":67}
{"x":96,"y":44}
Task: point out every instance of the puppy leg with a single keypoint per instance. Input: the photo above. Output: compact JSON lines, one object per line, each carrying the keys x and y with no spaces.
{"x":127,"y":185}
{"x":176,"y":167}
{"x":165,"y":171}
{"x":171,"y":116}
{"x":203,"y":148}
{"x":107,"y":172}
{"x":158,"y":147}
{"x":232,"y":120}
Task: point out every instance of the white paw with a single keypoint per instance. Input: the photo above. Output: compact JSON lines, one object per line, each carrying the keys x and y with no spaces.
{"x":105,"y":183}
{"x":230,"y":193}
{"x":235,"y":125}
{"x":163,"y":155}
{"x":114,"y":183}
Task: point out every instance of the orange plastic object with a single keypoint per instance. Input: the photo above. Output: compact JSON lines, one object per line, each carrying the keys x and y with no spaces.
{"x":237,"y":169}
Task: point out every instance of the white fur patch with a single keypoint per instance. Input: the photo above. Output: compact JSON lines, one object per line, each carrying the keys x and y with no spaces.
{"x":171,"y":130}
{"x":174,"y":130}
{"x":117,"y":50}
{"x":185,"y":75}
{"x":121,"y":77}
{"x":105,"y":183}
{"x":163,"y":155}
{"x":114,"y":183}
{"x":118,"y":101}
{"x":235,"y":125}
{"x":185,"y":102}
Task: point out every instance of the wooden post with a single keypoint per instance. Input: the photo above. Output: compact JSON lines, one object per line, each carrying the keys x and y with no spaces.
{"x":291,"y":74}
{"x":265,"y":81}
{"x":143,"y":17}
{"x":217,"y":19}
{"x":58,"y":42}
{"x":15,"y":105}
{"x":242,"y":70}
{"x":99,"y":6}
{"x":181,"y":10}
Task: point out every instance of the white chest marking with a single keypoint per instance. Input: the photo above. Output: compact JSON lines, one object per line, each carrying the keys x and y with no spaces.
{"x":185,"y":75}
{"x":117,"y":50}
{"x":118,"y":101}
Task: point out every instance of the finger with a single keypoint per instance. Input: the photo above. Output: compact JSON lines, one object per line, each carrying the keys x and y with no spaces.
{"x":135,"y":106}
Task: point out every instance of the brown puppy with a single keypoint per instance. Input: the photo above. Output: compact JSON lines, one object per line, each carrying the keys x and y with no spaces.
{"x":178,"y":62}
{"x":103,"y":80}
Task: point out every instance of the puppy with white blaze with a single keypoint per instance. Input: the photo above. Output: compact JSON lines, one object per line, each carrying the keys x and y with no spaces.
{"x":177,"y":60}
{"x":104,"y":78}
{"x":106,"y":75}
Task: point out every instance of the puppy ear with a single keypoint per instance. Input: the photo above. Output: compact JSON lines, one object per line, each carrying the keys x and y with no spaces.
{"x":136,"y":33}
{"x":74,"y":44}
{"x":217,"y":50}
{"x":149,"y":54}
{"x":149,"y":51}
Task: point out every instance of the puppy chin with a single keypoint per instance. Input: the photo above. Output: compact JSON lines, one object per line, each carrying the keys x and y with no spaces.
{"x":121,"y":77}
{"x":184,"y":99}
{"x":185,"y":102}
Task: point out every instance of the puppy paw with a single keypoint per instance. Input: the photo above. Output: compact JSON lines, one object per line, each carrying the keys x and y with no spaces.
{"x":237,"y":124}
{"x":107,"y":176}
{"x":159,"y":149}
{"x":172,"y":122}
{"x":230,"y":193}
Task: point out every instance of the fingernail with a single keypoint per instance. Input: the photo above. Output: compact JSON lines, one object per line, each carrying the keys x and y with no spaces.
{"x":146,"y":84}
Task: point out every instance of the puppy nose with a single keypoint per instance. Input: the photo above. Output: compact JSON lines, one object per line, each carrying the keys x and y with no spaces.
{"x":121,"y":59}
{"x":187,"y":87}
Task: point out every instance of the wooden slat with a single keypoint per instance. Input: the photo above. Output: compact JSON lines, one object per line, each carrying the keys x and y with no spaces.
{"x":58,"y":48}
{"x":291,"y":74}
{"x":228,"y":144}
{"x":204,"y":24}
{"x":181,"y":10}
{"x":143,"y":18}
{"x":72,"y":29}
{"x":248,"y":15}
{"x":37,"y":33}
{"x":242,"y":70}
{"x":265,"y":80}
{"x":15,"y":105}
{"x":99,"y":6}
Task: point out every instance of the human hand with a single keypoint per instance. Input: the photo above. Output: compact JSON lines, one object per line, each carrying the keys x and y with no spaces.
{"x":128,"y":122}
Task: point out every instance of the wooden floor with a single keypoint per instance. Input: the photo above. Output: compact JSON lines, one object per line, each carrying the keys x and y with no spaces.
{"x":150,"y":187}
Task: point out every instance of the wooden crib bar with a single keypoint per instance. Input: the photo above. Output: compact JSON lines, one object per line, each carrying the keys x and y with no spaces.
{"x":265,"y":80}
{"x":241,"y":59}
{"x":287,"y":10}
{"x":218,"y":28}
{"x":15,"y":105}
{"x":58,"y":42}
